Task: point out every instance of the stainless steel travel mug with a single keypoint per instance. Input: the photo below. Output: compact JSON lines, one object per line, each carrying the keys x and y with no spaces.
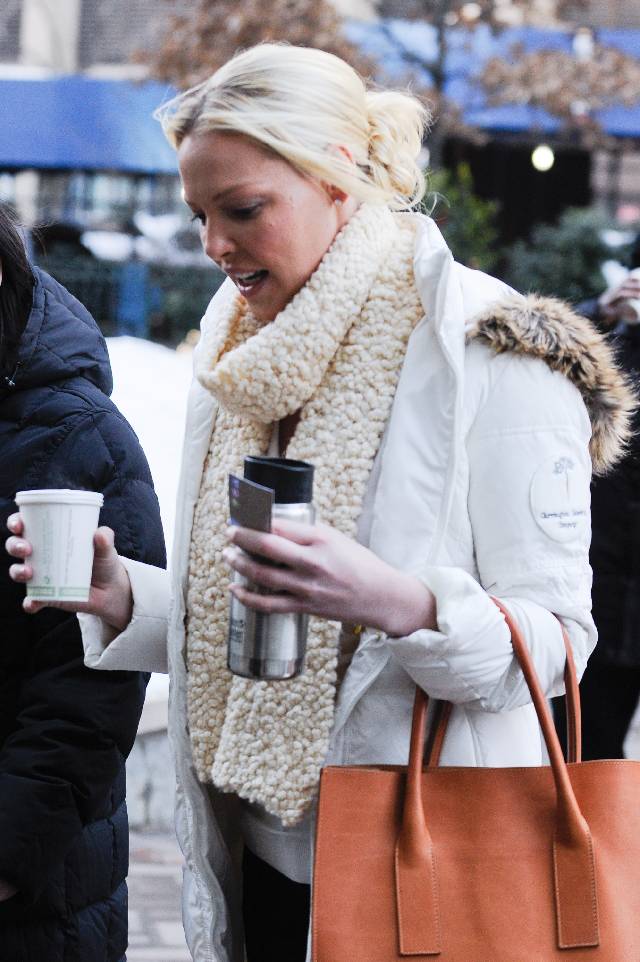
{"x":261,"y":646}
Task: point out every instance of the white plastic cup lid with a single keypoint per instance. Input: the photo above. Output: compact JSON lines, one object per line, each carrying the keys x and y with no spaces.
{"x":59,"y":496}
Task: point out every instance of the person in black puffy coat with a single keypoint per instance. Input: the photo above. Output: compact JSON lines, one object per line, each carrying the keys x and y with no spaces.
{"x":65,"y":730}
{"x":610,"y":686}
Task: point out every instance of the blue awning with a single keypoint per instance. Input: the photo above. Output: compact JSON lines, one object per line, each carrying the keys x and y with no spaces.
{"x":84,"y":123}
{"x":390,"y":41}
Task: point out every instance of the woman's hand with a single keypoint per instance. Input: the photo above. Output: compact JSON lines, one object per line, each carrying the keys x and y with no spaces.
{"x":614,"y":302}
{"x":110,"y":595}
{"x":329,"y":575}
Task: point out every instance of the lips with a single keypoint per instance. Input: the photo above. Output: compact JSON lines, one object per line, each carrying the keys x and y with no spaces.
{"x":248,"y":282}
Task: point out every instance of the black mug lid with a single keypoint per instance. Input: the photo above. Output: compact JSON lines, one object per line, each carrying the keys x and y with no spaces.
{"x":291,"y":481}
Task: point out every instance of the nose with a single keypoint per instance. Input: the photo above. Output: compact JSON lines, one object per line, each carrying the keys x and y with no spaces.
{"x":218,"y":244}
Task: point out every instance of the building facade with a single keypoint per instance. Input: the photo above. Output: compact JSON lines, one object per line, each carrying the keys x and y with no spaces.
{"x":112,"y":32}
{"x":10,"y":12}
{"x":45,"y":39}
{"x":81,"y":35}
{"x":611,"y":13}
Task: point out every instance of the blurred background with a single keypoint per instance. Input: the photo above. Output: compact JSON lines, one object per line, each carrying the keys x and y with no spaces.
{"x":534,"y":148}
{"x":534,"y":175}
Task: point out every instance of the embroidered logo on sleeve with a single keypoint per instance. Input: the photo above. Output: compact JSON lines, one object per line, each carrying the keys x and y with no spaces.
{"x":560,"y":498}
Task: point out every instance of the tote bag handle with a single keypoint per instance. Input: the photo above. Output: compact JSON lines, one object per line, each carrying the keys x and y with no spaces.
{"x":572,"y":846}
{"x":573,"y":710}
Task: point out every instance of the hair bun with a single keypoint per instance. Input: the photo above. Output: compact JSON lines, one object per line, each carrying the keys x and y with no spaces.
{"x":397,"y":125}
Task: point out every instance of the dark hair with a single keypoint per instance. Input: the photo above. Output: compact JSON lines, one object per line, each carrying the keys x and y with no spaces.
{"x":16,"y":292}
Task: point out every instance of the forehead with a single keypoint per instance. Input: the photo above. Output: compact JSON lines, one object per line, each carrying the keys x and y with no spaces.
{"x":213,"y":162}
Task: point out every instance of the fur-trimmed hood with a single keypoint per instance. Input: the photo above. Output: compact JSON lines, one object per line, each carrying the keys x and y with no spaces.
{"x":547,"y":328}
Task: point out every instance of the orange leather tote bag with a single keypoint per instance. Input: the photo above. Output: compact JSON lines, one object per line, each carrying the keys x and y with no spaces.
{"x":480,"y":864}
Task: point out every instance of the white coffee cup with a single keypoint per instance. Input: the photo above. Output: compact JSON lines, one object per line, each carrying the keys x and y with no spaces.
{"x":59,"y":524}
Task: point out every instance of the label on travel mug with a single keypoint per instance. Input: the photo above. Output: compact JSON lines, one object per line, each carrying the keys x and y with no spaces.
{"x":250,"y":504}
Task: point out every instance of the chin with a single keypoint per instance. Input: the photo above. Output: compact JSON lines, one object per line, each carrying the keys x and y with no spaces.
{"x":267,"y":312}
{"x":264,"y":316}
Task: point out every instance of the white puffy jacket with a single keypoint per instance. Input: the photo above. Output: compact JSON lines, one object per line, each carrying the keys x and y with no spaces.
{"x":481,"y":485}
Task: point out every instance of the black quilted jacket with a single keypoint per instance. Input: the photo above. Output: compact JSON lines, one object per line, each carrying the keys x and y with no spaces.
{"x":65,"y":730}
{"x":615,"y":523}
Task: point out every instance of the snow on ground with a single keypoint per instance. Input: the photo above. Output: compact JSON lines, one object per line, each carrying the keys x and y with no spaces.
{"x":151,"y":383}
{"x":150,"y":386}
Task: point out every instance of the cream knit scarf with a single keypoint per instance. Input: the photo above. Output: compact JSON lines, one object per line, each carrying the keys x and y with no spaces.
{"x":335,"y":352}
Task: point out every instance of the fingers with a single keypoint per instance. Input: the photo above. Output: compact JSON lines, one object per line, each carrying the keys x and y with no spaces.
{"x":32,"y":607}
{"x":14,"y":524}
{"x":276,"y":579}
{"x":21,"y":573}
{"x":629,"y":289}
{"x":268,"y":604}
{"x":297,"y":531}
{"x":17,"y":547}
{"x":273,"y":546}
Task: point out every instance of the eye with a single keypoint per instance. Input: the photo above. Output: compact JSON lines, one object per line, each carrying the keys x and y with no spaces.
{"x":200,"y":218}
{"x":244,"y":213}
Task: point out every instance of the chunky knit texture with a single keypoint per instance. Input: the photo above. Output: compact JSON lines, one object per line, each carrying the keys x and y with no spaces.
{"x":335,"y":353}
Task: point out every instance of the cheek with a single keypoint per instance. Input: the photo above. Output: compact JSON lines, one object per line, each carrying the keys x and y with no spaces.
{"x":310,"y":247}
{"x":266,"y":241}
{"x":292,"y":244}
{"x":277,"y":246}
{"x":304,"y":242}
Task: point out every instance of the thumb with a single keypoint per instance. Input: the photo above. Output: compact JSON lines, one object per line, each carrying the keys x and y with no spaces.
{"x":103,"y":543}
{"x":104,"y":540}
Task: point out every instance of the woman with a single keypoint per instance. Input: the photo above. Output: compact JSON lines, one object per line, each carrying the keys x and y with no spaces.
{"x":65,"y":731}
{"x":443,"y":472}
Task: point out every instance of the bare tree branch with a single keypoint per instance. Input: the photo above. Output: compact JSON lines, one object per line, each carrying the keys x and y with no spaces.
{"x":197,"y":43}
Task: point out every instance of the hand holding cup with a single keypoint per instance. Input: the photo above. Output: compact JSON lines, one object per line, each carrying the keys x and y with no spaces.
{"x":621,"y":301}
{"x":110,"y":590}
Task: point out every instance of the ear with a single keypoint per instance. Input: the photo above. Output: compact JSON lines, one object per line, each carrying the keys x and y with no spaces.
{"x":336,"y":194}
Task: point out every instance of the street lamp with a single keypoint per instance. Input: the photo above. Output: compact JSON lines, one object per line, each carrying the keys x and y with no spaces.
{"x":543,"y":158}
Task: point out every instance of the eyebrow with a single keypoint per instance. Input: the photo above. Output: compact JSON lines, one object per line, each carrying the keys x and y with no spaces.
{"x":220,"y":195}
{"x":228,"y":190}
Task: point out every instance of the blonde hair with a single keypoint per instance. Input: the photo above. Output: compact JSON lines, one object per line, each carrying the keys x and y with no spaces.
{"x":303,"y":104}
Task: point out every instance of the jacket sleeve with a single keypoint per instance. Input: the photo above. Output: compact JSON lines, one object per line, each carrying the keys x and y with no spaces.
{"x":528,"y":503}
{"x":589,"y":309}
{"x":74,"y":727}
{"x":142,"y":646}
